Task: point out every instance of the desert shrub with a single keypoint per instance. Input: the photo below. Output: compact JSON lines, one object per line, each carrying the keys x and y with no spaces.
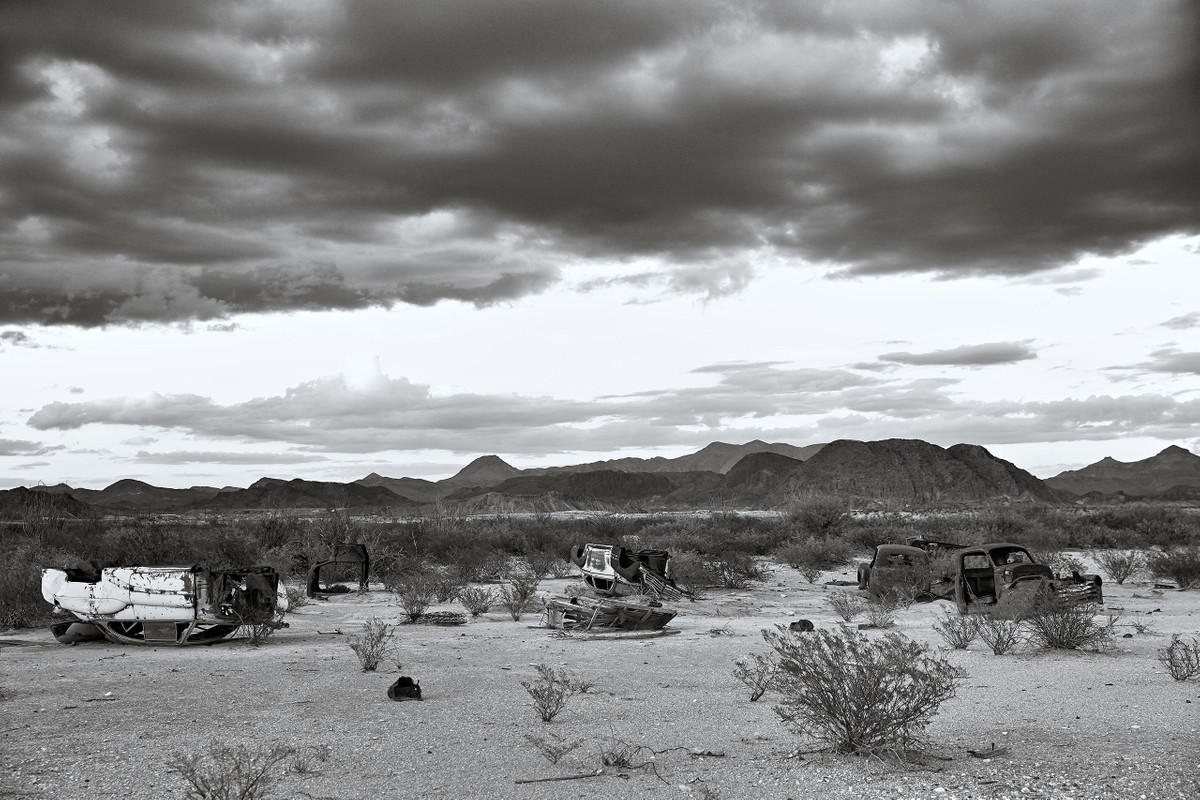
{"x":1181,"y":658}
{"x":1002,"y":523}
{"x":518,"y":594}
{"x":553,"y":748}
{"x":21,"y":602}
{"x":905,"y":592}
{"x":846,"y":605}
{"x":1181,"y":565}
{"x":390,"y":565}
{"x":1041,"y":538}
{"x":477,"y":563}
{"x":959,"y":630}
{"x":548,"y":565}
{"x":416,"y":593}
{"x":814,"y":555}
{"x":692,"y":573}
{"x":856,"y":694}
{"x":1002,"y":635}
{"x":551,"y":691}
{"x":866,"y":532}
{"x":1055,"y":624}
{"x":1138,"y":524}
{"x":818,"y":514}
{"x":308,"y":759}
{"x":477,"y":599}
{"x":758,"y":673}
{"x":445,"y":589}
{"x":258,"y":624}
{"x":373,"y":644}
{"x":881,"y":612}
{"x":275,"y":527}
{"x":297,"y":596}
{"x":736,"y":570}
{"x":1120,"y":565}
{"x":621,"y":755}
{"x":228,"y":772}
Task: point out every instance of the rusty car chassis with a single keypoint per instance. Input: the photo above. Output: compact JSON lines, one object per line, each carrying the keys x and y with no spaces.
{"x":170,"y":605}
{"x":1004,"y":579}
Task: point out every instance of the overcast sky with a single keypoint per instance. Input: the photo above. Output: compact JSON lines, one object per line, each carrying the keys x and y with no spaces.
{"x":321,"y":239}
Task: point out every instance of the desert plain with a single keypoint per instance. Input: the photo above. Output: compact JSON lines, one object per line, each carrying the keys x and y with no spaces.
{"x":100,"y":720}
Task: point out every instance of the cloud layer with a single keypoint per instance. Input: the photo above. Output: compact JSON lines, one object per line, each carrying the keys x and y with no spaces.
{"x":744,"y":401}
{"x":165,"y":163}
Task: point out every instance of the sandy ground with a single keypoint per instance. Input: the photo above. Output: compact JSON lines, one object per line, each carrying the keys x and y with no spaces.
{"x":98,"y":720}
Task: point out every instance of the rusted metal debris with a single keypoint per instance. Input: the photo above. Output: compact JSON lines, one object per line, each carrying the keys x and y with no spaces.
{"x":353,"y":555}
{"x":991,"y":752}
{"x":592,"y":614}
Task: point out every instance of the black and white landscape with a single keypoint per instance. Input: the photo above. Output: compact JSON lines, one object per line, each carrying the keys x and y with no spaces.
{"x":873,"y":326}
{"x":322,"y":240}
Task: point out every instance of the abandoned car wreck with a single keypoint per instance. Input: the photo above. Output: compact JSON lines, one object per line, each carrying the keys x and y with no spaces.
{"x":1004,"y":579}
{"x":613,"y":570}
{"x":168,"y":605}
{"x":999,"y":578}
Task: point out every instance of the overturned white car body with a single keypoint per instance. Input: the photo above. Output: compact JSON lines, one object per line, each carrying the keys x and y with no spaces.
{"x":162,"y":605}
{"x":614,"y":570}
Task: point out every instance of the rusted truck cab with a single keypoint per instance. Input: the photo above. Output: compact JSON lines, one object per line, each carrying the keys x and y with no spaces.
{"x":1003,"y":579}
{"x":893,"y":567}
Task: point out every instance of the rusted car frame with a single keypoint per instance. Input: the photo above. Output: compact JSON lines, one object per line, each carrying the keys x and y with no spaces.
{"x":1004,"y":579}
{"x":611,"y":570}
{"x":343,"y":555}
{"x":162,"y":605}
{"x":896,"y":567}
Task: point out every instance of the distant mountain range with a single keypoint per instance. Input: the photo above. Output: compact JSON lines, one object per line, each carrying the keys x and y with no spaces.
{"x":1173,"y":474}
{"x":902,"y":472}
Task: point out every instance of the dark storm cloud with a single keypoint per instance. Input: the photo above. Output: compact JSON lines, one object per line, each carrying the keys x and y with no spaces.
{"x":168,"y":162}
{"x":968,"y":355}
